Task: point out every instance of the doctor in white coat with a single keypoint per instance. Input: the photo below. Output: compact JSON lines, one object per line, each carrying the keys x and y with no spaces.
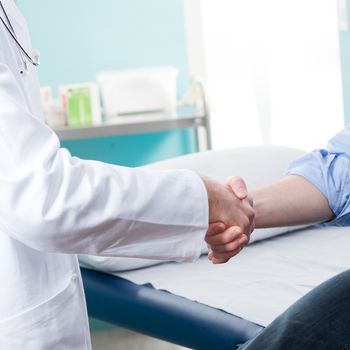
{"x":53,"y":205}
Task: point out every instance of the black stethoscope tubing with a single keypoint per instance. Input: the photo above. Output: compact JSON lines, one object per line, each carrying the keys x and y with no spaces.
{"x":11,"y":30}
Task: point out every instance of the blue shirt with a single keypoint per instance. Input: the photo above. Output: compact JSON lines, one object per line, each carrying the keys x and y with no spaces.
{"x":329,"y":170}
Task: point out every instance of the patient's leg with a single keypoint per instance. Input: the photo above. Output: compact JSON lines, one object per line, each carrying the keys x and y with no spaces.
{"x":318,"y":321}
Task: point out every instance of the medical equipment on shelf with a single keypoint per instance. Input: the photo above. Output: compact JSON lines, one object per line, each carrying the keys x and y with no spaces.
{"x":138,"y":91}
{"x":53,"y":112}
{"x":81,"y":103}
{"x":35,"y":59}
{"x":46,"y":96}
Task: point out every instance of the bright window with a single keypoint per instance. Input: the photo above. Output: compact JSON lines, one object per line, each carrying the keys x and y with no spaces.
{"x":273,"y":71}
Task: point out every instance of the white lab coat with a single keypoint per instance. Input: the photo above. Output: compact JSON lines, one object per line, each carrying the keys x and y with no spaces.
{"x":53,"y":205}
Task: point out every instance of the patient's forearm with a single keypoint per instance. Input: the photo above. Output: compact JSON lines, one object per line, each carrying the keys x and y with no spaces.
{"x":290,"y":201}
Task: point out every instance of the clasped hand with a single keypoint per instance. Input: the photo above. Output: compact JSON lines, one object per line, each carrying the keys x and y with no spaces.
{"x":231,"y":218}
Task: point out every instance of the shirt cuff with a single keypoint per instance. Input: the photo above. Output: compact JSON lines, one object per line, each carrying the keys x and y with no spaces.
{"x":199,"y":194}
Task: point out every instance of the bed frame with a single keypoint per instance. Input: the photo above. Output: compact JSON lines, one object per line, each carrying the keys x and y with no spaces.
{"x":163,"y":315}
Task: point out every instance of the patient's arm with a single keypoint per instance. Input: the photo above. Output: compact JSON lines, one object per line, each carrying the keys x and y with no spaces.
{"x":317,"y":189}
{"x":290,"y":201}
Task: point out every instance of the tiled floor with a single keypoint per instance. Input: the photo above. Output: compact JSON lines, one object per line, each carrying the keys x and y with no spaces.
{"x":120,"y":339}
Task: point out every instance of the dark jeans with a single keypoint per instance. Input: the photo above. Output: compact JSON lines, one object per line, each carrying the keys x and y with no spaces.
{"x":318,"y":321}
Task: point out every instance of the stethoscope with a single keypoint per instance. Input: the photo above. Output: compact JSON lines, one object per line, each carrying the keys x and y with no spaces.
{"x":26,"y":57}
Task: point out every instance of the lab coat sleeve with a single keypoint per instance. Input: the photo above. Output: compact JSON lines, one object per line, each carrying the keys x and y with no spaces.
{"x":329,"y":170}
{"x":54,"y":202}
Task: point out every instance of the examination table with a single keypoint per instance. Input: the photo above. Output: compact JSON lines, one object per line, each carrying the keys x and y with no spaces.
{"x":163,"y":315}
{"x":202,"y":306}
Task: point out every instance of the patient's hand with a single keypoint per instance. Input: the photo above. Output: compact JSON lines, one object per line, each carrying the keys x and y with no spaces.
{"x":227,"y":240}
{"x":224,"y":243}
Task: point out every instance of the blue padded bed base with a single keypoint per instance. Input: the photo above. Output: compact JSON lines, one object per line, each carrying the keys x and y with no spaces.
{"x":163,"y":315}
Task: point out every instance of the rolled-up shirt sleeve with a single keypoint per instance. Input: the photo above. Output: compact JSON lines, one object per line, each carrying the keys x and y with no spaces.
{"x":329,"y":170}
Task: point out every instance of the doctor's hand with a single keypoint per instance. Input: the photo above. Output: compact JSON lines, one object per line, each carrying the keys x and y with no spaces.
{"x":225,"y":241}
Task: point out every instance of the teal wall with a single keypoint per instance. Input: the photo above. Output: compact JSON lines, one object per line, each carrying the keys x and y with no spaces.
{"x":344,"y":38}
{"x":133,"y":150}
{"x":81,"y":37}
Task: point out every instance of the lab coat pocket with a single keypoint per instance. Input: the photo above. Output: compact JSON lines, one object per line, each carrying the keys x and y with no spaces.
{"x":46,"y":325}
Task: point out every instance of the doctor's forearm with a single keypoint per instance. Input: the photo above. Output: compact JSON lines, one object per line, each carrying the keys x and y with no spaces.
{"x":288,"y":202}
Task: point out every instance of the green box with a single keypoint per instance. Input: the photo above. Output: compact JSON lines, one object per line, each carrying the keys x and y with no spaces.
{"x":79,"y":110}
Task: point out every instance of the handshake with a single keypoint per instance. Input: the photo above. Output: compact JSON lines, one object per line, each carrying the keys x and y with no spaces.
{"x":231,"y":218}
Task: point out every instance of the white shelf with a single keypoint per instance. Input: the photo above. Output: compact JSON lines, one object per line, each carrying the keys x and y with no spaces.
{"x":137,"y":124}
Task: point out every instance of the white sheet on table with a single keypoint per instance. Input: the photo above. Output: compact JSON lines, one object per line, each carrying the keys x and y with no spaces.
{"x":271,"y":161}
{"x":263,"y":280}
